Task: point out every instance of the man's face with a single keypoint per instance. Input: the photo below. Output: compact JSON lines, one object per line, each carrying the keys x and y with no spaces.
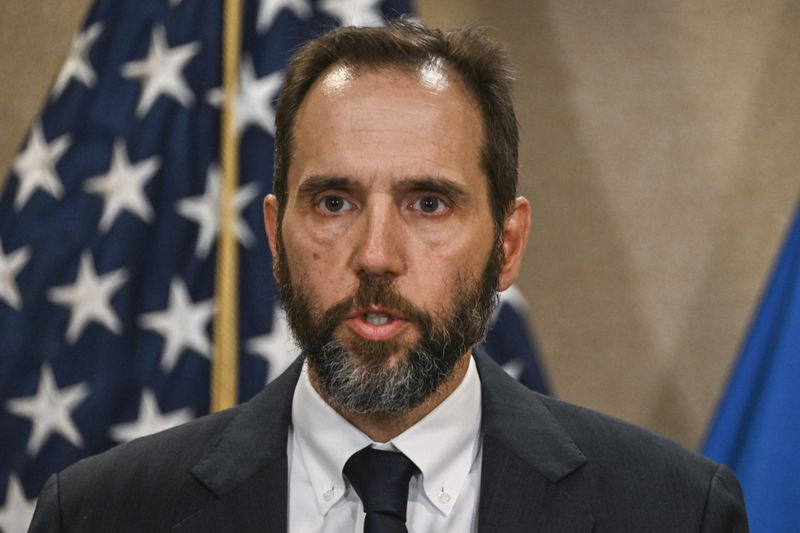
{"x":387,"y":256}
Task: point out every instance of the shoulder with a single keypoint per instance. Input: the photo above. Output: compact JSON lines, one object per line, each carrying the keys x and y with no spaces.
{"x":173,"y":450}
{"x":153,"y":482}
{"x":145,"y":469}
{"x":142,"y":485}
{"x":525,"y":418}
{"x":642,"y":474}
{"x":620,"y":473}
{"x":621,"y":446}
{"x":172,"y":453}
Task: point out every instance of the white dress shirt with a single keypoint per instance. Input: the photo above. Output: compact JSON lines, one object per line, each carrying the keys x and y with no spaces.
{"x":445,"y":446}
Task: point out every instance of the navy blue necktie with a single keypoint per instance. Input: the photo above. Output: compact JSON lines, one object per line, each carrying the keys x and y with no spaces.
{"x":380,"y":479}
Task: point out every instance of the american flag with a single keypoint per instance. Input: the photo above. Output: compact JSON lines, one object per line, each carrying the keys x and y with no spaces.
{"x":108,"y":229}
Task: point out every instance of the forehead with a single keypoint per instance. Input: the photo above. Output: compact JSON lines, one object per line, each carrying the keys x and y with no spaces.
{"x":381,"y":121}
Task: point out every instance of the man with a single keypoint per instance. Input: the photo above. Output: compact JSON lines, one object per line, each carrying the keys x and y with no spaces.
{"x":394,"y":222}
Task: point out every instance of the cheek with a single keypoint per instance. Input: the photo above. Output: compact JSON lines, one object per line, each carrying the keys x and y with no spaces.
{"x":315,"y":263}
{"x":308,"y":259}
{"x":326,"y":233}
{"x":462,"y":242}
{"x":440,"y":260}
{"x":310,"y":242}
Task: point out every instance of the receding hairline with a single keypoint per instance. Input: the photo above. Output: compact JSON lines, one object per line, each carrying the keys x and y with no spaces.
{"x":469,"y":54}
{"x":411,"y":72}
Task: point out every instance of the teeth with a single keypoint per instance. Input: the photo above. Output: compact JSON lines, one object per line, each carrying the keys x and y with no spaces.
{"x":376,"y":319}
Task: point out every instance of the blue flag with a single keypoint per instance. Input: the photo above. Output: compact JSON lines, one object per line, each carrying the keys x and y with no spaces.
{"x":108,"y":228}
{"x":757,"y":428}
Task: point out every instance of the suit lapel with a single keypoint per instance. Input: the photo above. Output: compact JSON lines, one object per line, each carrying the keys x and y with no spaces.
{"x":526,"y":453}
{"x":246,"y":470}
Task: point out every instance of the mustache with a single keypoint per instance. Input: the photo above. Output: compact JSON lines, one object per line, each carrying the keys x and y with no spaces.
{"x":372,"y":291}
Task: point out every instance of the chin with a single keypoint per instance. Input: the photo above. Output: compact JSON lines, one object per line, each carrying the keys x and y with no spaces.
{"x":377,"y":355}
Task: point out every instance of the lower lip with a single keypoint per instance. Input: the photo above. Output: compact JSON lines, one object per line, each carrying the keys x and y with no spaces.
{"x":375,"y":332}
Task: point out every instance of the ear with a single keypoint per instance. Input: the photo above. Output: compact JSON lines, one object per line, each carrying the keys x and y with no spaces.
{"x":271,"y":223}
{"x":515,"y":238}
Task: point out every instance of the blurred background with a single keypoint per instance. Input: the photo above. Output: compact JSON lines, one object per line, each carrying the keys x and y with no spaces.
{"x":658,"y":152}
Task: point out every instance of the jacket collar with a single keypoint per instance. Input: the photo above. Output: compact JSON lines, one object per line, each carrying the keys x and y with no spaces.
{"x":247,"y":468}
{"x":518,"y":419}
{"x":526,"y":453}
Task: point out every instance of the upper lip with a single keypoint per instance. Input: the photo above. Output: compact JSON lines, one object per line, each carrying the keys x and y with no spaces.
{"x":375,"y":309}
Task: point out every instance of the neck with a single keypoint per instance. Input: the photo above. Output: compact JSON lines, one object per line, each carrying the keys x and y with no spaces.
{"x":383,"y":427}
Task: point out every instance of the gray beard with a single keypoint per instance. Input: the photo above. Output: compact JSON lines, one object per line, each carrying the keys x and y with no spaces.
{"x":362,"y":381}
{"x":359,"y":388}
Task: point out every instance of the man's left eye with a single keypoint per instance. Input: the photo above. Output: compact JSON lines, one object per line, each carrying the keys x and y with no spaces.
{"x":429,"y":204}
{"x":333,"y":204}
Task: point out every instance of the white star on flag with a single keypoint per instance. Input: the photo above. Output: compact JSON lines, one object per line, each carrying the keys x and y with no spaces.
{"x":150,"y":420}
{"x":77,"y":64}
{"x":204,"y":210}
{"x":36,"y":166}
{"x":17,"y":511}
{"x":254,"y":101}
{"x":10,"y":265}
{"x":354,"y":12}
{"x":269,"y":9}
{"x":182,"y":324}
{"x":50,"y":410}
{"x":122,"y":187}
{"x":277,"y":346}
{"x":89,"y":298}
{"x":160,"y":71}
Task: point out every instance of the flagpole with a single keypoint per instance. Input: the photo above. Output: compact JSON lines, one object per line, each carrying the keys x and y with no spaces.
{"x":225,"y":362}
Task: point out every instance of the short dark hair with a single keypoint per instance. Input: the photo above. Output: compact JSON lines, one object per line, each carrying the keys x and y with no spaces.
{"x":479,"y":60}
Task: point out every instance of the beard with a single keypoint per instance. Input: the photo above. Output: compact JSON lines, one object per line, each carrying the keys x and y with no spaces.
{"x":355,"y":374}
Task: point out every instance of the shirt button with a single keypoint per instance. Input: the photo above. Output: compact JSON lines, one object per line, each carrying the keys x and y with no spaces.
{"x":443,"y":497}
{"x":328,"y":495}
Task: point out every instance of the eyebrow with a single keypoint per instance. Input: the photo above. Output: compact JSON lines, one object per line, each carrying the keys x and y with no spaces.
{"x":439,"y":185}
{"x":316,"y":184}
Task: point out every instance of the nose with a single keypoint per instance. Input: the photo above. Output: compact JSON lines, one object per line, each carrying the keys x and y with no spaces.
{"x":379,"y":241}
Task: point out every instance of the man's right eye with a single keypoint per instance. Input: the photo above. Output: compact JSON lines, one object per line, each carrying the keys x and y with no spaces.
{"x":333,"y":204}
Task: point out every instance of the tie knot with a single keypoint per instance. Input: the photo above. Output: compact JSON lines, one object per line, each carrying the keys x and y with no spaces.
{"x":380,"y":478}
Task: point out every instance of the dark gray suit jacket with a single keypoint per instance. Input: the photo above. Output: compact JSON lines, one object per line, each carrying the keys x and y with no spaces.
{"x":547,"y":466}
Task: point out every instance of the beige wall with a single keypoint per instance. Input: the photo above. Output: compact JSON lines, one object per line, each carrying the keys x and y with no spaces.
{"x":658,"y":152}
{"x":34,"y":37}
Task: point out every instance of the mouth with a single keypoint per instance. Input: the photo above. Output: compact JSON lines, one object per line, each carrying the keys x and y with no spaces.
{"x":376,"y":323}
{"x":377,"y":319}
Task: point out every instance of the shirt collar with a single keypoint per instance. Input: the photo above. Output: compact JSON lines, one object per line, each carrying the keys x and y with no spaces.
{"x":445,"y":443}
{"x":326,"y":441}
